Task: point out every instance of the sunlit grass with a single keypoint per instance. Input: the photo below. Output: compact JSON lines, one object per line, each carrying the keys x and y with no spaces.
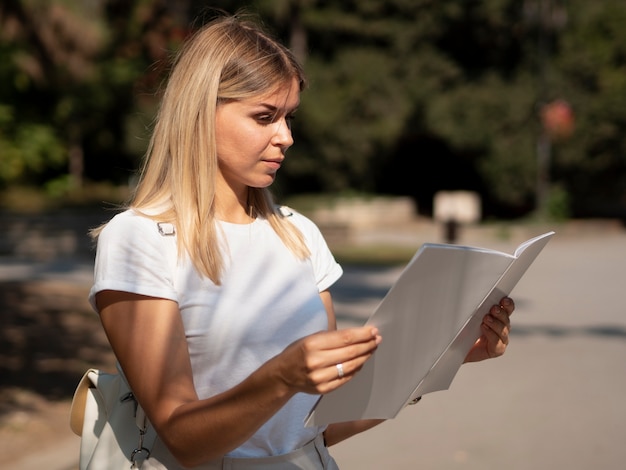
{"x":373,"y":255}
{"x":31,"y":200}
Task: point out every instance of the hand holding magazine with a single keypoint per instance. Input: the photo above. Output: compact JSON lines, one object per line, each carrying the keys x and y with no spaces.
{"x":429,"y":320}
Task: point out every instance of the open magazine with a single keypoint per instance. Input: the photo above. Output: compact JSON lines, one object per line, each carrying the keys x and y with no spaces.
{"x":429,"y":320}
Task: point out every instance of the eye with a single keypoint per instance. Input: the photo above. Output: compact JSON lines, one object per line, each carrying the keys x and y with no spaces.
{"x":265,"y":118}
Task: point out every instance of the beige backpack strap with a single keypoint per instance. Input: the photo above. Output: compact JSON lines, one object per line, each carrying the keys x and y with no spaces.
{"x":79,"y":400}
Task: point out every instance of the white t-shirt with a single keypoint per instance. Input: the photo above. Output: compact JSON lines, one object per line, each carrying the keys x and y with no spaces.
{"x":267,"y":300}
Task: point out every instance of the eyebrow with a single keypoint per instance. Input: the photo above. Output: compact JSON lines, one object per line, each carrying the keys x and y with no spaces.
{"x":274,"y":109}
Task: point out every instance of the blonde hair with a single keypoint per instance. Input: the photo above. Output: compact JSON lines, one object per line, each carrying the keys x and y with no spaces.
{"x":230,"y":58}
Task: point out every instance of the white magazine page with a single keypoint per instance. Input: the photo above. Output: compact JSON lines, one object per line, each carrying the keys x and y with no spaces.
{"x":419,"y":319}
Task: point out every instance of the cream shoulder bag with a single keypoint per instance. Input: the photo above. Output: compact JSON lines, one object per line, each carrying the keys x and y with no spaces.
{"x":114,"y":431}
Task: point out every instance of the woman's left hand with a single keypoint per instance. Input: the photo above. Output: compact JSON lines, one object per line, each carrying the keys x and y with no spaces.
{"x":496,"y":327}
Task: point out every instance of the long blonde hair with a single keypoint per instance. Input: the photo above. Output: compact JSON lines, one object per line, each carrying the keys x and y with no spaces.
{"x":230,"y":58}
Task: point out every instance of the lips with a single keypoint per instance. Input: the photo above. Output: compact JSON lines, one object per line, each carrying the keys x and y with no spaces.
{"x":274,"y":164}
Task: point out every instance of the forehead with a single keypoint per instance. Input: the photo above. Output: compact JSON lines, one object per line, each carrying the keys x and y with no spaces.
{"x":286,"y":94}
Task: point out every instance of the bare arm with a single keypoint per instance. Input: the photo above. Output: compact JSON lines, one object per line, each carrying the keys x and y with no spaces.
{"x":148,"y":338}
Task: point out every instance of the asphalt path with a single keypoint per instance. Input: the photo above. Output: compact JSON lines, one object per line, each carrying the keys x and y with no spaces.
{"x":556,"y":399}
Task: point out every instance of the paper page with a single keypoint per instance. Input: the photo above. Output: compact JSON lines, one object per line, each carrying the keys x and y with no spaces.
{"x":444,"y":370}
{"x":425,"y":319}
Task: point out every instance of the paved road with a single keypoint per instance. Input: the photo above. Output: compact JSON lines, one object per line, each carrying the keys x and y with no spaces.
{"x":555,"y":400}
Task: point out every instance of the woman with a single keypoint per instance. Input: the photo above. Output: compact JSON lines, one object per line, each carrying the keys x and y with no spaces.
{"x":214,"y":300}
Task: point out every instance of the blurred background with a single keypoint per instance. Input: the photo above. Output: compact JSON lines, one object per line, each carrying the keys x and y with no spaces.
{"x":522,"y":102}
{"x":469,"y":121}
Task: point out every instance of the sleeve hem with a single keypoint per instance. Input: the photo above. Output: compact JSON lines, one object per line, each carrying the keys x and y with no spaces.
{"x":149,"y":291}
{"x":330,"y":279}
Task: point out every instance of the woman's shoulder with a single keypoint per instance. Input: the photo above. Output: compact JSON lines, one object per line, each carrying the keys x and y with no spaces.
{"x":130,"y":224}
{"x":127,"y":219}
{"x":297,"y":218}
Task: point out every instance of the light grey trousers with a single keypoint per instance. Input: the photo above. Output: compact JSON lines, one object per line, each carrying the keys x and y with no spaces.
{"x":313,"y":456}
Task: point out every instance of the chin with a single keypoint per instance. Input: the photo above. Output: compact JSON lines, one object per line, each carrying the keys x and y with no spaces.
{"x":266,"y":182}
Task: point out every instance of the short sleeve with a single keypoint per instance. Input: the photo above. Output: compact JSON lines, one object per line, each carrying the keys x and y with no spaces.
{"x":327,"y":270}
{"x":133,"y":256}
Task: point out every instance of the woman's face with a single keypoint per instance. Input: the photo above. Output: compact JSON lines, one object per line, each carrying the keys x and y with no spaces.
{"x":252,"y":136}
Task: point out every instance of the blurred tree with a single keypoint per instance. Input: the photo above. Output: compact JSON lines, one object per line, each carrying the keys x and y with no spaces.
{"x":71,"y":72}
{"x":364,"y":86}
{"x":29,"y":143}
{"x":390,"y":79}
{"x":411,"y":97}
{"x":591,"y":64}
{"x":406,"y":96}
{"x":486,"y":113}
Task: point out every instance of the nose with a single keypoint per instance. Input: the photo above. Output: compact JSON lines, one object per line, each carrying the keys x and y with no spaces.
{"x":283,"y":137}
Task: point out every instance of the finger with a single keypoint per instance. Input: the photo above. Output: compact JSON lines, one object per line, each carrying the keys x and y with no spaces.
{"x":346,"y":369}
{"x":331,"y":340}
{"x":329,"y":378}
{"x":340,"y":372}
{"x":500,"y":314}
{"x":340,"y":353}
{"x":343,"y":364}
{"x":508,"y":305}
{"x":350,"y":348}
{"x":495,"y":344}
{"x":499,"y":325}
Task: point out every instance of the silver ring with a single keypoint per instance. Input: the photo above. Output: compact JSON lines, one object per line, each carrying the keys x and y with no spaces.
{"x":340,"y":370}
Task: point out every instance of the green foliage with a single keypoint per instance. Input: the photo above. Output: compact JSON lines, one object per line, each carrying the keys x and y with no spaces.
{"x":386,"y":76}
{"x":27,"y":150}
{"x":558,"y":206}
{"x":493,"y":117}
{"x":62,"y":193}
{"x":363,"y":116}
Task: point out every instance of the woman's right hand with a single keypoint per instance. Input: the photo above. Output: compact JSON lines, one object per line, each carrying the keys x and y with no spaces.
{"x":310,"y":364}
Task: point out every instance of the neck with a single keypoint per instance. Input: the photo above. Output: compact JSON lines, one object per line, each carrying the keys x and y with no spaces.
{"x":238,"y":210}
